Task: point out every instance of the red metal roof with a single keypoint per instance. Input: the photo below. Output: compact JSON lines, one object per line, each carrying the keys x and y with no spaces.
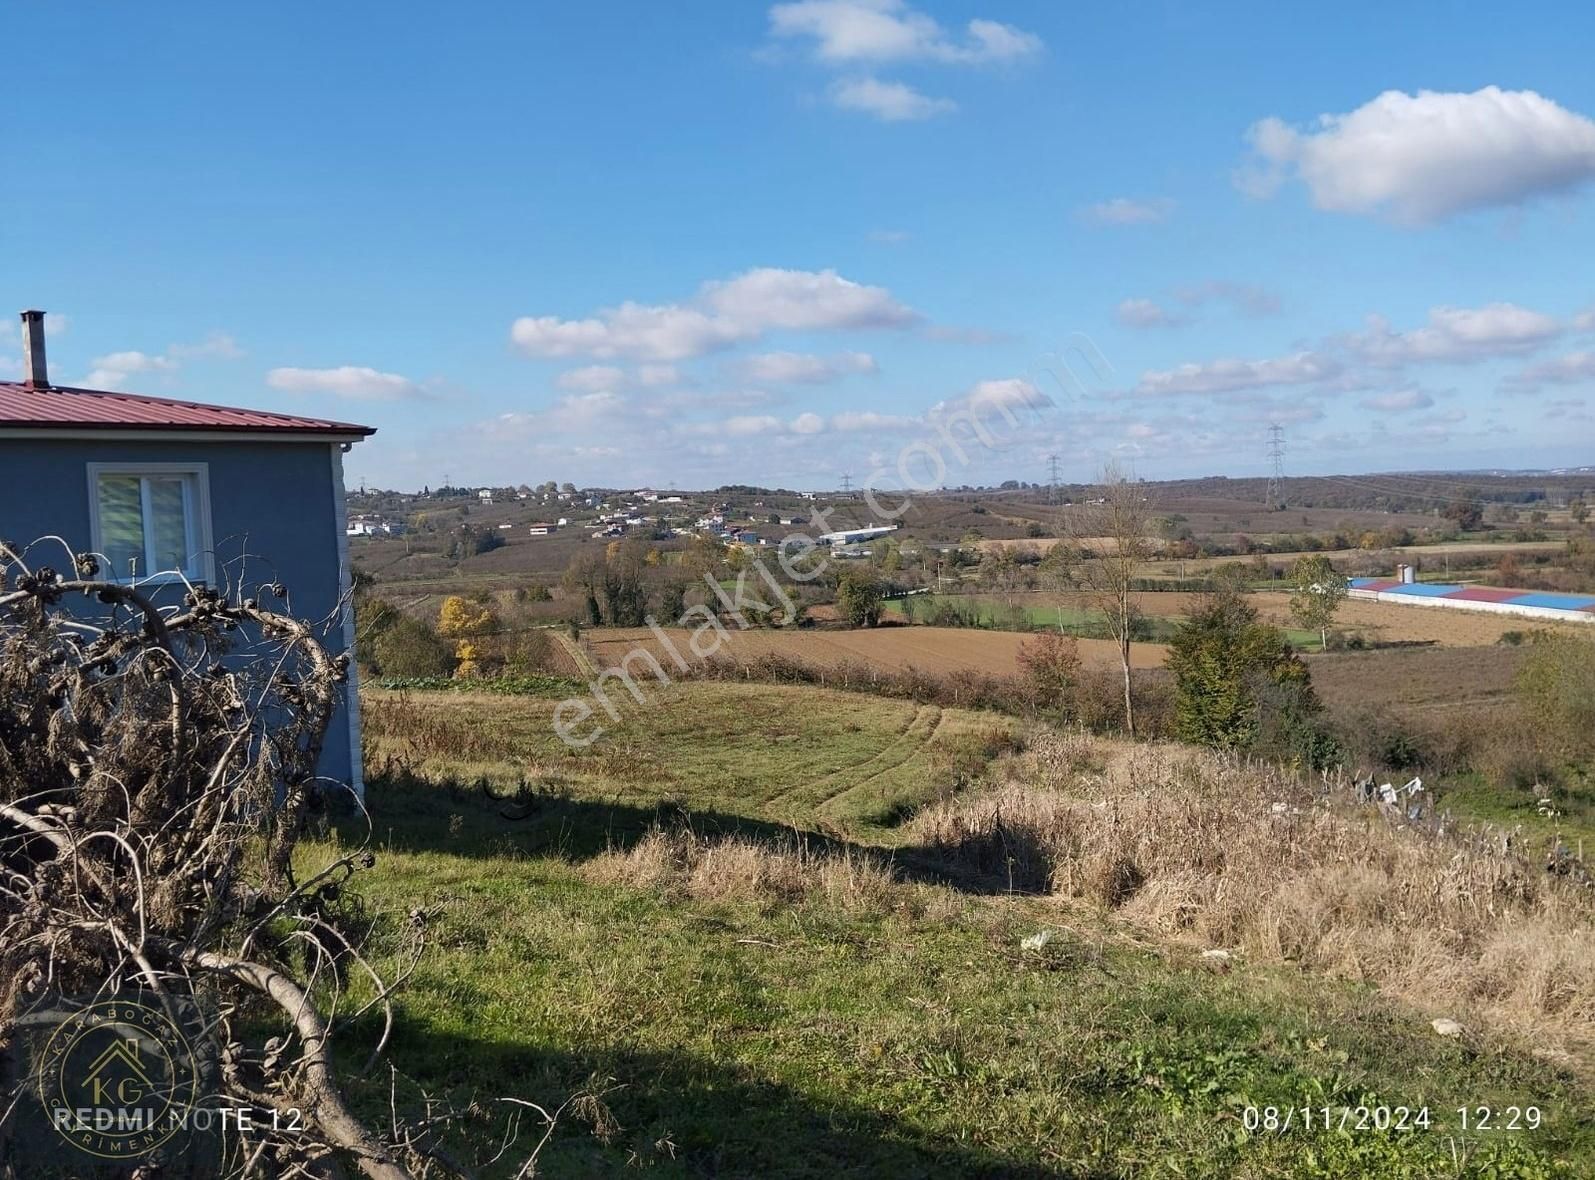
{"x":22,"y":406}
{"x":1485,"y":594}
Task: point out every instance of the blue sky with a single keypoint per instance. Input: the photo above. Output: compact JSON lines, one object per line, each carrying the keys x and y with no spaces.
{"x":712,"y":243}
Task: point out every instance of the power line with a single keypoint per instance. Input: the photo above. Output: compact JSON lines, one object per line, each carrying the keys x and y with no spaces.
{"x":847,"y":483}
{"x":1052,"y":479}
{"x":1276,"y":455}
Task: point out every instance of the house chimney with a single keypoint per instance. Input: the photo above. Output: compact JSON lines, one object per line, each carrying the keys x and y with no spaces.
{"x":34,"y":371}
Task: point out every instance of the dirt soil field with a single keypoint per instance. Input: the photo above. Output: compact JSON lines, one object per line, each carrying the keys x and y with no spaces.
{"x":1435,"y":679}
{"x":929,"y":649}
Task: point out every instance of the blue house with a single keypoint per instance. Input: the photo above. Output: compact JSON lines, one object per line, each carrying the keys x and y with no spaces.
{"x":165,"y":490}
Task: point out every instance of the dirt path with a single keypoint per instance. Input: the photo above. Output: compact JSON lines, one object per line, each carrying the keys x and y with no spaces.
{"x":585,"y":668}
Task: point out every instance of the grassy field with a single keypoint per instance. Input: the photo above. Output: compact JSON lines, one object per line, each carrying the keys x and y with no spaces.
{"x":836,"y":1000}
{"x":1375,"y":622}
{"x":724,"y":752}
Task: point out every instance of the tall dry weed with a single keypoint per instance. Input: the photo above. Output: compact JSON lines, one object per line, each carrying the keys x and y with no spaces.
{"x":1230,"y":853}
{"x":742,"y":868}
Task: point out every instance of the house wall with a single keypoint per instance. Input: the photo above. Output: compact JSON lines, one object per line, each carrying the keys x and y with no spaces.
{"x":276,"y":516}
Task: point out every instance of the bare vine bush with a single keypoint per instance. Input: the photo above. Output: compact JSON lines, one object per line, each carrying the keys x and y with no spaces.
{"x":158,"y":765}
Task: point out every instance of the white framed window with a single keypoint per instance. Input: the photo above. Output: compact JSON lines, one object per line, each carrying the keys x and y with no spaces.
{"x":151,"y":521}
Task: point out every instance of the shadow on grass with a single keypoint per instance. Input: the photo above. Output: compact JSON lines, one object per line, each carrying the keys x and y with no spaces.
{"x":677,"y":1114}
{"x":412,"y":814}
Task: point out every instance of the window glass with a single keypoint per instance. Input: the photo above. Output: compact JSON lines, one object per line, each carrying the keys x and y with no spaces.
{"x":146,"y":523}
{"x":122,"y":525}
{"x":168,"y":528}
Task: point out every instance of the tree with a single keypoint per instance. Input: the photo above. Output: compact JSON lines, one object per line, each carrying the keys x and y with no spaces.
{"x":468,"y":624}
{"x":1051,"y":664}
{"x":584,"y":579}
{"x":1000,"y":571}
{"x":703,"y":556}
{"x":1578,"y":510}
{"x":460,"y":618}
{"x":859,"y":593}
{"x":1236,"y":678}
{"x":1465,"y":512}
{"x":613,"y":583}
{"x":1556,"y":685}
{"x":1320,"y":589}
{"x":1114,"y":523}
{"x":410,"y":648}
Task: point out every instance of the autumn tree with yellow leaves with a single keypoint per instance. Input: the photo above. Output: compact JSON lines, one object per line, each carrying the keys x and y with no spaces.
{"x":467,"y":623}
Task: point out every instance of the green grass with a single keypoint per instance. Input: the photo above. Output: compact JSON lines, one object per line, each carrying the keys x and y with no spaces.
{"x":995,"y":613}
{"x":1546,"y":815}
{"x":910,"y":1036}
{"x":769,"y":753}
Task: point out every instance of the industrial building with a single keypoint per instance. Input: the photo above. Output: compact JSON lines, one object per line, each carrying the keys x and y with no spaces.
{"x":1405,"y":590}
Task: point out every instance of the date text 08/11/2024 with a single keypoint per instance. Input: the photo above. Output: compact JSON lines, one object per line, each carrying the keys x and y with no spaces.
{"x":1280,"y":1120}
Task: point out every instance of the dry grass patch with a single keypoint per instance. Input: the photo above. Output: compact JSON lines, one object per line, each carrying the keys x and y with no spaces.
{"x":684,"y":863}
{"x":1233,"y":854}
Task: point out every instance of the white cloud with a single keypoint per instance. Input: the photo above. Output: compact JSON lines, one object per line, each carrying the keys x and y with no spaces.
{"x":1228,"y":376}
{"x":1569,"y":409}
{"x":665,"y":333}
{"x":1128,"y":211}
{"x":651,"y":375}
{"x":748,"y":424}
{"x":356,"y":382}
{"x":1246,"y":297}
{"x":807,"y":423}
{"x":584,"y":411}
{"x":1421,"y":158}
{"x":1002,"y":396}
{"x":688,"y":400}
{"x":1398,"y":401}
{"x":1576,"y":368}
{"x":575,"y":413}
{"x":860,"y":420}
{"x":889,"y":237}
{"x":113,"y":370}
{"x":722,"y":314}
{"x":802,"y":300}
{"x":1253,"y":407}
{"x":1144,"y":313}
{"x":846,"y":31}
{"x":789,"y":368}
{"x":1454,"y":335}
{"x":591,"y":378}
{"x":890,"y":102}
{"x":551,"y":336}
